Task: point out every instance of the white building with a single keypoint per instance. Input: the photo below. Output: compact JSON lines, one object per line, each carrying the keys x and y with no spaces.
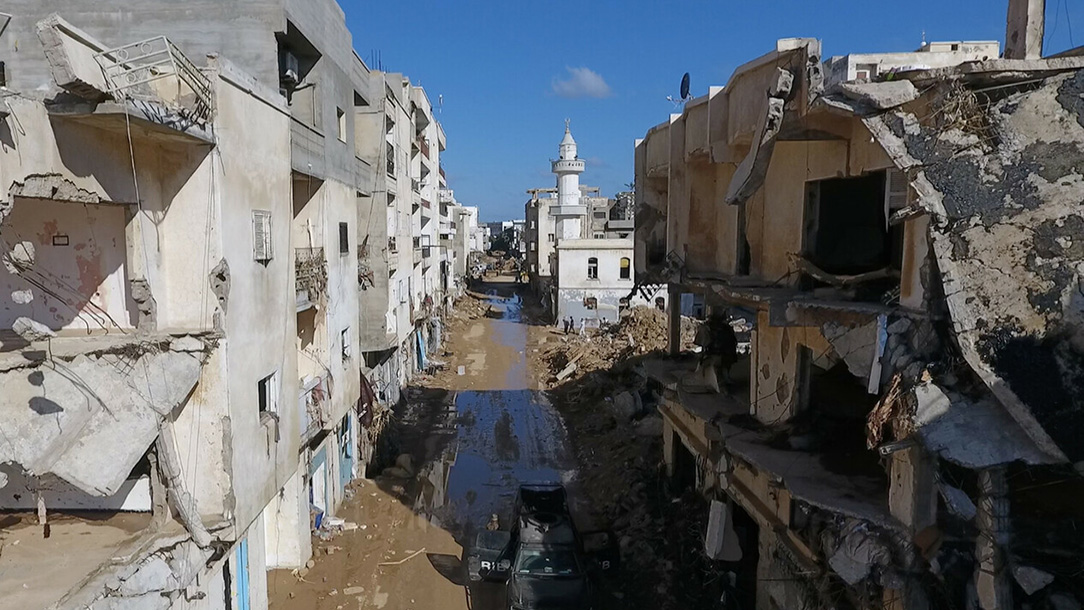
{"x":577,"y":256}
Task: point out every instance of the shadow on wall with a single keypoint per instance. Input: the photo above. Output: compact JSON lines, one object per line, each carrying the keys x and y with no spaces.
{"x":80,"y":278}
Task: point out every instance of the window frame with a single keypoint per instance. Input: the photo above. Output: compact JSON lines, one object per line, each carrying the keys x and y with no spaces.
{"x":592,"y":268}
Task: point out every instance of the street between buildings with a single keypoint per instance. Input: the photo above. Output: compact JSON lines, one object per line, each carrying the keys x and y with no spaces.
{"x":472,"y":439}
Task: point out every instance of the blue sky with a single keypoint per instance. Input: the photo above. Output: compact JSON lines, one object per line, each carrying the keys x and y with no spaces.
{"x":511,"y":71}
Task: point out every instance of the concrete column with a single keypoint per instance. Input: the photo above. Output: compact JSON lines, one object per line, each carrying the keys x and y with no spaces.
{"x":992,"y":519}
{"x":1024,"y":29}
{"x":912,"y":491}
{"x":673,"y":311}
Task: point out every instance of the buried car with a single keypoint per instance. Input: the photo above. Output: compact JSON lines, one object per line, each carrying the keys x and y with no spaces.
{"x":544,"y":560}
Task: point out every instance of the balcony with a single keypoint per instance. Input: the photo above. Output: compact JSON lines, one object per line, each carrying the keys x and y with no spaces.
{"x":156,"y":92}
{"x":310,"y":280}
{"x":390,"y":155}
{"x":441,"y":170}
{"x":313,"y":406}
{"x":156,"y":70}
{"x":423,"y":145}
{"x":391,"y":246}
{"x":415,"y":185}
{"x":426,"y":204}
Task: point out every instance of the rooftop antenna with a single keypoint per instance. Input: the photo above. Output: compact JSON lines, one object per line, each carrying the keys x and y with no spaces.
{"x":923,"y":37}
{"x":683,"y":91}
{"x":440,"y":103}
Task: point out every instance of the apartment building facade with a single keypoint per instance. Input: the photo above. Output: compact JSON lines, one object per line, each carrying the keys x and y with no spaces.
{"x":876,"y":447}
{"x":188,"y":318}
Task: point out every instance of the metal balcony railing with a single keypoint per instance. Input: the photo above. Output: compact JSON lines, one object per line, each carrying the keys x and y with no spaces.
{"x":310,"y":269}
{"x":313,"y":407}
{"x":156,"y":70}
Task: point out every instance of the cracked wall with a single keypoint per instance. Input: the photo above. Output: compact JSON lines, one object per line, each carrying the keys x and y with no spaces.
{"x":1004,"y":186}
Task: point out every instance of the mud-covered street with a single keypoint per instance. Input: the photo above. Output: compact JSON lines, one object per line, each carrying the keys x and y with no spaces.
{"x":473,"y":438}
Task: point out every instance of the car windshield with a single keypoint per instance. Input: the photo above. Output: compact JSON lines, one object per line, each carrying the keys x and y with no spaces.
{"x":546,"y":562}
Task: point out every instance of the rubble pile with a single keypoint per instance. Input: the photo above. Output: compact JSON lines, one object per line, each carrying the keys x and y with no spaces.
{"x":641,"y":330}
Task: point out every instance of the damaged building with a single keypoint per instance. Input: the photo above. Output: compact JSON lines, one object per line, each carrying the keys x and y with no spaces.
{"x":182,"y":296}
{"x":904,"y":432}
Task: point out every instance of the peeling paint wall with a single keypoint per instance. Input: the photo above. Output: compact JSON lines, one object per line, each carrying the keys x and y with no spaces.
{"x":1005,"y":201}
{"x":80,"y":256}
{"x":773,"y":379}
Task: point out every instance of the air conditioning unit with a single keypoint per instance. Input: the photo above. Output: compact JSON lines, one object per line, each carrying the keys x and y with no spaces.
{"x":290,"y":71}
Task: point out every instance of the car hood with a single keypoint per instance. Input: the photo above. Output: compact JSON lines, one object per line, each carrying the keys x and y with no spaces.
{"x":542,"y":592}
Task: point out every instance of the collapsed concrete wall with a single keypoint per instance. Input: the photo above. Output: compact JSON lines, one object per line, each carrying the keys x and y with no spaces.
{"x":1003,"y":180}
{"x":88,"y":418}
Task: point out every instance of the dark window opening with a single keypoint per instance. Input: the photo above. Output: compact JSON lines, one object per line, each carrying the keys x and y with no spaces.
{"x":592,"y":268}
{"x":266,"y":394}
{"x":590,"y":303}
{"x":846,"y":229}
{"x":626,"y":268}
{"x":660,"y":303}
{"x":344,"y":238}
{"x":683,"y":473}
{"x":837,"y":404}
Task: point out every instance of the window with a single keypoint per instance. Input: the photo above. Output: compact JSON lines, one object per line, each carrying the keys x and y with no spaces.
{"x":592,"y":268}
{"x":622,"y":304}
{"x":344,"y":238}
{"x":660,"y":303}
{"x":532,"y":224}
{"x":549,"y":238}
{"x":590,"y":303}
{"x":599,"y":235}
{"x":340,"y":118}
{"x":344,"y":337}
{"x":267,"y":393}
{"x":626,"y":268}
{"x":261,"y":235}
{"x":533,"y":246}
{"x":600,"y":214}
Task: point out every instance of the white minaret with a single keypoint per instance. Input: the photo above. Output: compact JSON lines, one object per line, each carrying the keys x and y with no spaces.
{"x":568,"y":169}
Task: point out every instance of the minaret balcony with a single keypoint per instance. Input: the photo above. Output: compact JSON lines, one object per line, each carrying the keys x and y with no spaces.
{"x":568,"y":165}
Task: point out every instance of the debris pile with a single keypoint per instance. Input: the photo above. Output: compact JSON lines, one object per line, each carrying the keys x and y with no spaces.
{"x":641,"y":330}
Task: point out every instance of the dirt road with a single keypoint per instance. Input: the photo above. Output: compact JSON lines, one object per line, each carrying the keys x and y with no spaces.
{"x":473,"y":438}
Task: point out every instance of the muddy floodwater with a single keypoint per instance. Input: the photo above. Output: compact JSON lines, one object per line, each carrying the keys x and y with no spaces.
{"x":472,"y":446}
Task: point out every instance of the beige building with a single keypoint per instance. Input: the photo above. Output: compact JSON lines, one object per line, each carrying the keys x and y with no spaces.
{"x":878,"y":437}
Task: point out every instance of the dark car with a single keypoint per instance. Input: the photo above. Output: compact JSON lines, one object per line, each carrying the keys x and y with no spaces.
{"x":544,"y":560}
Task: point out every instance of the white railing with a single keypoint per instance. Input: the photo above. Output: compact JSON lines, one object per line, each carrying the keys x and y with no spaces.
{"x":138,"y":70}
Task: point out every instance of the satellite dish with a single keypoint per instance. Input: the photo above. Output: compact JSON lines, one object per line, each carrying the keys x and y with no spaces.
{"x":685,"y":86}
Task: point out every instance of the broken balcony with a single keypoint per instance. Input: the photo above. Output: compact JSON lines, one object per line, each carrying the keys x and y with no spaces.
{"x":314,"y":406}
{"x":310,"y":279}
{"x":727,"y":448}
{"x":147,"y":88}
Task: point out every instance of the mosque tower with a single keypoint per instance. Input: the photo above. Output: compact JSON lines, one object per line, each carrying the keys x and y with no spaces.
{"x":568,"y":169}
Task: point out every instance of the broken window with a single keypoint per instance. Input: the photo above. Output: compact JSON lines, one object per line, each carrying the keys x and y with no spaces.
{"x":846,"y":228}
{"x":344,"y":338}
{"x":261,"y":235}
{"x":344,"y":238}
{"x":660,"y":303}
{"x":590,"y":303}
{"x":592,"y":268}
{"x":267,"y":393}
{"x":626,"y":268}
